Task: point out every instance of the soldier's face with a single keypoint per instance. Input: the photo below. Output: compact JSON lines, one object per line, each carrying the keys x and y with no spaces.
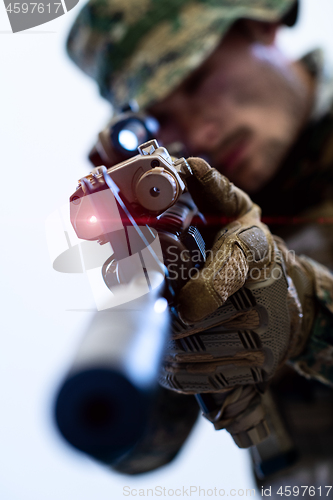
{"x":240,"y":110}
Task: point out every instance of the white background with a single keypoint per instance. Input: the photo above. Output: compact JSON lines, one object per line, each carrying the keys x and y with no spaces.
{"x":49,"y":117}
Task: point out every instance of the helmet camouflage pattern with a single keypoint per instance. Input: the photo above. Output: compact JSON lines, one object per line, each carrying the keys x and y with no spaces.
{"x":142,"y":49}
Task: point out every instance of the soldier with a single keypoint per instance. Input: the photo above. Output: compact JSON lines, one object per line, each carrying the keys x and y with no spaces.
{"x":211,"y":75}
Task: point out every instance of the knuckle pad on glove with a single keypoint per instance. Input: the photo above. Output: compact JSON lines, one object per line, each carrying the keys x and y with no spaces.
{"x":232,"y":276}
{"x":256,"y":242}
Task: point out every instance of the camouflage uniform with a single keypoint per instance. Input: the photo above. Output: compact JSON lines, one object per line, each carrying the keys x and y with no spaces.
{"x":142,"y":49}
{"x":305,"y":183}
{"x":304,"y":221}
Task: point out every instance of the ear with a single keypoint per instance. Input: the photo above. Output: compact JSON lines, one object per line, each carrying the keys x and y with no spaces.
{"x":260,"y":31}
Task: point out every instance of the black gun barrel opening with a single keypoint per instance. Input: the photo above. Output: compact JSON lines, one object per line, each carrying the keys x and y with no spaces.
{"x":100,"y":412}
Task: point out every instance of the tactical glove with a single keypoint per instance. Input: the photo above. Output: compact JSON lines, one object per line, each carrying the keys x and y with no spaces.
{"x":242,"y":316}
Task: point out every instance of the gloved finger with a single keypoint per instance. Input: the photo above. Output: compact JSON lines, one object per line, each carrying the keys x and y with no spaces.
{"x":213,"y":376}
{"x":244,"y":245}
{"x":221,"y":277}
{"x":212,"y":192}
{"x":205,"y":364}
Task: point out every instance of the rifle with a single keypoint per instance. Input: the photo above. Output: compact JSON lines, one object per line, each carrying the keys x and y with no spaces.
{"x":133,"y":206}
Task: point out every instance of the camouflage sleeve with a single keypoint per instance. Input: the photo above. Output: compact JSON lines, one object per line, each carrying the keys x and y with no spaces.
{"x":316,"y":360}
{"x":171,"y":421}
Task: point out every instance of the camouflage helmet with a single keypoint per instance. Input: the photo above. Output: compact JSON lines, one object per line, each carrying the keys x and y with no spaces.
{"x":142,"y":49}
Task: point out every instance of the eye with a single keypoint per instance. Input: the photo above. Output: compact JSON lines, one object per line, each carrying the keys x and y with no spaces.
{"x":193,"y":83}
{"x":163,"y":118}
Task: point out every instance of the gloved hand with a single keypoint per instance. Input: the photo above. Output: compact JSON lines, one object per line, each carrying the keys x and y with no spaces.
{"x":245,"y":313}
